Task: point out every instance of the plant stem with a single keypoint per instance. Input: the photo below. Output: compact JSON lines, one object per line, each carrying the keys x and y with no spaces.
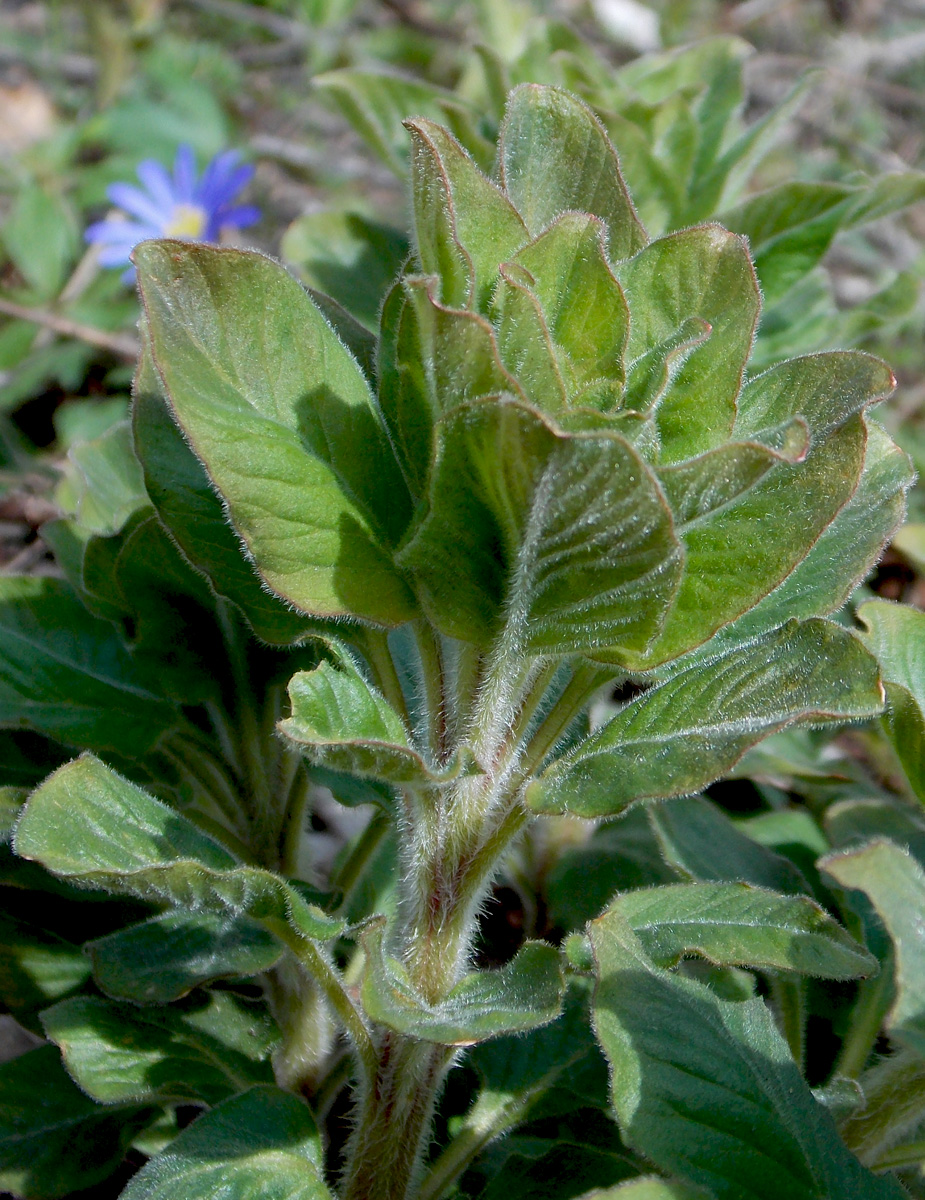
{"x":375,"y":646}
{"x":790,"y":1001}
{"x":874,"y":999}
{"x":121,"y":344}
{"x":368,"y":842}
{"x":294,"y":821}
{"x":433,"y":679}
{"x":588,"y":677}
{"x":910,"y":1155}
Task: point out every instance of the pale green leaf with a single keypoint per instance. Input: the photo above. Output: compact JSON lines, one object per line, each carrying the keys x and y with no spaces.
{"x":649,"y":1188}
{"x":92,"y":827}
{"x":197,"y":1053}
{"x":248,"y":360}
{"x":37,"y":966}
{"x":555,"y":157}
{"x":895,"y":885}
{"x":735,"y":924}
{"x":162,"y":959}
{"x":262,"y":1144}
{"x":685,"y":733}
{"x":706,"y":1088}
{"x":106,"y":480}
{"x":522,"y":995}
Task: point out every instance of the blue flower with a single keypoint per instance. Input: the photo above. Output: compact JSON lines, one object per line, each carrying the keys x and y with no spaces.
{"x":181,"y":206}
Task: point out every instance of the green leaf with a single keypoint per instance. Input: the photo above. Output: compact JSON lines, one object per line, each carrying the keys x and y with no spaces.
{"x":555,"y":157}
{"x":347,"y":257}
{"x":464,"y":224}
{"x":341,"y":722}
{"x":162,"y":959}
{"x":851,"y":823}
{"x":895,"y":884}
{"x":586,"y":547}
{"x":41,"y":238}
{"x":11,"y":802}
{"x":650,"y":1188}
{"x":106,"y":480}
{"x":199,"y":1053}
{"x":684,"y":734}
{"x":247,"y":359}
{"x":522,"y":995}
{"x":583,"y":307}
{"x":377,"y":102}
{"x":706,"y":1088}
{"x":735,"y":924}
{"x":262,"y":1143}
{"x":54,"y":1140}
{"x":699,"y":840}
{"x":893,"y":1092}
{"x":187,"y":504}
{"x":68,"y":675}
{"x":37,"y":966}
{"x":895,"y":634}
{"x":842,"y":555}
{"x":91,"y":826}
{"x":702,"y":273}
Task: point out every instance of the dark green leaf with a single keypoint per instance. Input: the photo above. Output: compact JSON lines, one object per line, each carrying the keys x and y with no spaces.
{"x":37,"y":966}
{"x":68,"y":675}
{"x":164,"y":958}
{"x":54,"y":1140}
{"x":706,"y":1088}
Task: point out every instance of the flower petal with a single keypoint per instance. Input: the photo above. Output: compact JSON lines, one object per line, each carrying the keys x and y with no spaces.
{"x":156,"y":179}
{"x":184,"y":174}
{"x":239,"y":217}
{"x":134,"y":201}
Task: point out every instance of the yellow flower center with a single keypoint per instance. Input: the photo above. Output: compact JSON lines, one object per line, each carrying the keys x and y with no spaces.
{"x":186,"y":220}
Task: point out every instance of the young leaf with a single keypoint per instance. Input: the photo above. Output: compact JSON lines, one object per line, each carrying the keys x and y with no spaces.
{"x":54,"y":1140}
{"x":522,"y":995}
{"x":344,"y":724}
{"x":684,"y":734}
{"x":67,"y":674}
{"x":162,"y":959}
{"x":699,"y":840}
{"x":248,"y":360}
{"x":703,"y":273}
{"x":555,"y":157}
{"x":89,"y":825}
{"x":106,"y":480}
{"x":186,"y":502}
{"x":191,"y":1055}
{"x":706,"y":1088}
{"x":735,"y":924}
{"x":895,"y":884}
{"x":587,"y":551}
{"x":262,"y":1143}
{"x":464,"y":224}
{"x":896,"y":635}
{"x":650,"y":1188}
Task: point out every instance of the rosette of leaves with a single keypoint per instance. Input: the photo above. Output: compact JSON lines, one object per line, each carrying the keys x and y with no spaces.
{"x":550,"y":471}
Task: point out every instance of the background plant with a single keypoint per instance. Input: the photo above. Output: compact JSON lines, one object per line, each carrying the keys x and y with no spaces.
{"x":178,"y":660}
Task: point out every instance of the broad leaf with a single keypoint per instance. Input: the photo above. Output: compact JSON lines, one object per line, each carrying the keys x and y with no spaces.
{"x":684,"y":734}
{"x":851,"y":823}
{"x":555,"y":157}
{"x":186,"y":502}
{"x":341,"y":722}
{"x":735,"y":924}
{"x":706,"y":1088}
{"x":91,"y":826}
{"x":650,"y":1188}
{"x":464,"y":224}
{"x":706,"y":274}
{"x":247,"y":359}
{"x":54,"y":1140}
{"x":164,"y":958}
{"x":587,"y":552}
{"x":106,"y":480}
{"x":895,"y":884}
{"x":699,"y":840}
{"x":68,"y":675}
{"x":896,"y":635}
{"x":197,"y":1053}
{"x":522,"y":995}
{"x":262,"y":1143}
